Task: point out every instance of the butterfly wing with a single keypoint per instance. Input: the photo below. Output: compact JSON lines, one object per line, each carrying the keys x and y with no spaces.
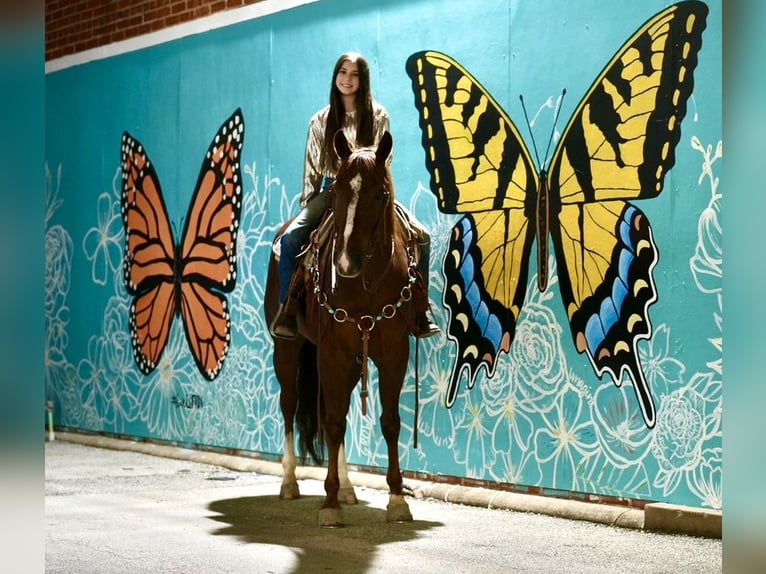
{"x":487,"y":173}
{"x":208,"y":249}
{"x":148,"y":265}
{"x":618,"y":146}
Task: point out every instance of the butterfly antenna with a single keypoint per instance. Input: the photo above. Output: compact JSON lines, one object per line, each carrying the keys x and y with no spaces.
{"x":555,"y":120}
{"x":529,"y":127}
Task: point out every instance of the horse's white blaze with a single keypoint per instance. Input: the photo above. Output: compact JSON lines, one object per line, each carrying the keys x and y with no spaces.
{"x":356,"y":185}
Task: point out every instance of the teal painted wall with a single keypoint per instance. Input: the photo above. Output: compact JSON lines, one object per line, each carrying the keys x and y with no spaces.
{"x":555,"y":425}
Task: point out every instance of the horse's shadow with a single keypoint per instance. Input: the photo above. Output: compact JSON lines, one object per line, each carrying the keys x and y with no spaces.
{"x":294,"y":524}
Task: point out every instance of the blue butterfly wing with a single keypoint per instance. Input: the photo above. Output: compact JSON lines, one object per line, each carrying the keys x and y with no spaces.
{"x":483,"y":296}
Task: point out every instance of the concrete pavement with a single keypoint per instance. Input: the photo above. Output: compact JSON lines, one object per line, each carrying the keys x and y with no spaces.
{"x":124,"y":506}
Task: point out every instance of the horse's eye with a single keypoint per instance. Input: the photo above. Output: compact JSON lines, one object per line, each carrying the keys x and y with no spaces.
{"x":382,"y":194}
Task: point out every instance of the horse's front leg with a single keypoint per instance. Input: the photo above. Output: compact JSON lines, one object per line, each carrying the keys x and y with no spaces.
{"x":331,"y":513}
{"x":286,"y":370}
{"x":391,"y":377}
{"x":336,"y":390}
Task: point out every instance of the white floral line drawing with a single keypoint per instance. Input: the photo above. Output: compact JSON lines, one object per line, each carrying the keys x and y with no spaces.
{"x":686,"y":444}
{"x":60,"y":375}
{"x":103,"y":244}
{"x":707,"y":261}
{"x":552,"y":429}
{"x":624,"y":446}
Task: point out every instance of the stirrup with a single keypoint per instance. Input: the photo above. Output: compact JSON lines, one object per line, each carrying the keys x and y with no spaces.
{"x":284,"y":325}
{"x":424,"y":327}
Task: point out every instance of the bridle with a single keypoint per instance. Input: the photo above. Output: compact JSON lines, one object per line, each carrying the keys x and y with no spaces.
{"x":365,"y":322}
{"x":385,"y":214}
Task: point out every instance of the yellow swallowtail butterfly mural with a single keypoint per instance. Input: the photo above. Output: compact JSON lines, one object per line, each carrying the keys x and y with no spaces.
{"x":617,"y":147}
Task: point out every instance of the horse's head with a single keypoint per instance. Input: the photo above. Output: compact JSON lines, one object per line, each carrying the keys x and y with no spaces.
{"x":362,"y":203}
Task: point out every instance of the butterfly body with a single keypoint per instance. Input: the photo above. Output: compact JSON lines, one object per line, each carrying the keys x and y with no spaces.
{"x":542,"y":214}
{"x":617,"y":147}
{"x":189,"y":278}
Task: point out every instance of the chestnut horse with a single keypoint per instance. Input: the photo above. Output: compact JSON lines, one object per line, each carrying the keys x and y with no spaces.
{"x":358,"y":307}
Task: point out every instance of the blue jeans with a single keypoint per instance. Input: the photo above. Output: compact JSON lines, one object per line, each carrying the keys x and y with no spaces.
{"x":296,"y":235}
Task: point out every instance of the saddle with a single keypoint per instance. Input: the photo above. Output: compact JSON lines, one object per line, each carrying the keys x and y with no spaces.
{"x":322,"y":233}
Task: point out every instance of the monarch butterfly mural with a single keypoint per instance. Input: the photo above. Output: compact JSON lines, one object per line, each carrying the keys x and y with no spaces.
{"x":617,"y":147}
{"x":188,"y":278}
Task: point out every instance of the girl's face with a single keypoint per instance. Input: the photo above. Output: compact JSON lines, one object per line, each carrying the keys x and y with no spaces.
{"x":347,"y":79}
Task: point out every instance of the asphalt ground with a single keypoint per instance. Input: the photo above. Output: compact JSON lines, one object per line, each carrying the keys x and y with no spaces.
{"x":116,"y":510}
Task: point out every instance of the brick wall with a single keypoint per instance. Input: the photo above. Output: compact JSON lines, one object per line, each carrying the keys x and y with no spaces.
{"x":72,"y":26}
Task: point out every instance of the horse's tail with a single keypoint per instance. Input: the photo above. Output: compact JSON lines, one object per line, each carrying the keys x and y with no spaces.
{"x":310,"y":407}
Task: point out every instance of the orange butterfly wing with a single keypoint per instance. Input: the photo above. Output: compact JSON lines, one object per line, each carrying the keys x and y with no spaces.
{"x":191,"y":278}
{"x":209,"y":248}
{"x":149,"y":263}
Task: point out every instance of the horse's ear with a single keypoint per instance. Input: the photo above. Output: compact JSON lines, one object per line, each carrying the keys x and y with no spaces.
{"x":341,"y":145}
{"x":384,"y":147}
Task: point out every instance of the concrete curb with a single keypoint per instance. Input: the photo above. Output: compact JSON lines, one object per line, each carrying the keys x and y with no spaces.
{"x":670,"y":518}
{"x":655,"y":517}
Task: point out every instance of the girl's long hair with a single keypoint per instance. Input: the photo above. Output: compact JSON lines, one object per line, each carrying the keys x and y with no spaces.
{"x":364,"y":117}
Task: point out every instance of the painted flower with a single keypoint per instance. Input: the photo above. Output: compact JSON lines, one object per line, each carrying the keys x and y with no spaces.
{"x":63,"y":386}
{"x":172,"y":378}
{"x":619,"y":425}
{"x":56,"y":336}
{"x":710,"y":387}
{"x":513,"y":426}
{"x":707,"y":262}
{"x":52,"y":201}
{"x":255,"y":392}
{"x":678,"y":437}
{"x":473,"y":437}
{"x":105,"y":396}
{"x":94,"y":393}
{"x":103,"y":243}
{"x":567,"y":438}
{"x":537,"y":354}
{"x":254,"y":245}
{"x":706,"y":480}
{"x":509,"y":468}
{"x":661,"y":369}
{"x":119,"y":362}
{"x":436,"y":421}
{"x":58,"y":267}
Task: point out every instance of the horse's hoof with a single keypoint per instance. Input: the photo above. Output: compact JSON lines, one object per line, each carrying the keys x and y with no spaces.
{"x":347,"y":495}
{"x":398,"y":510}
{"x":330,"y":517}
{"x":289,"y":491}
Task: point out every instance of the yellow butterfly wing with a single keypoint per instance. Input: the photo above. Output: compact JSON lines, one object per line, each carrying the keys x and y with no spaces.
{"x":618,"y":146}
{"x":479,"y":166}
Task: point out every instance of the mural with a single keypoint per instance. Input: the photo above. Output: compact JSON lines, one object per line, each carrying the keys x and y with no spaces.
{"x":544,"y":421}
{"x":167,"y":279}
{"x":618,"y":146}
